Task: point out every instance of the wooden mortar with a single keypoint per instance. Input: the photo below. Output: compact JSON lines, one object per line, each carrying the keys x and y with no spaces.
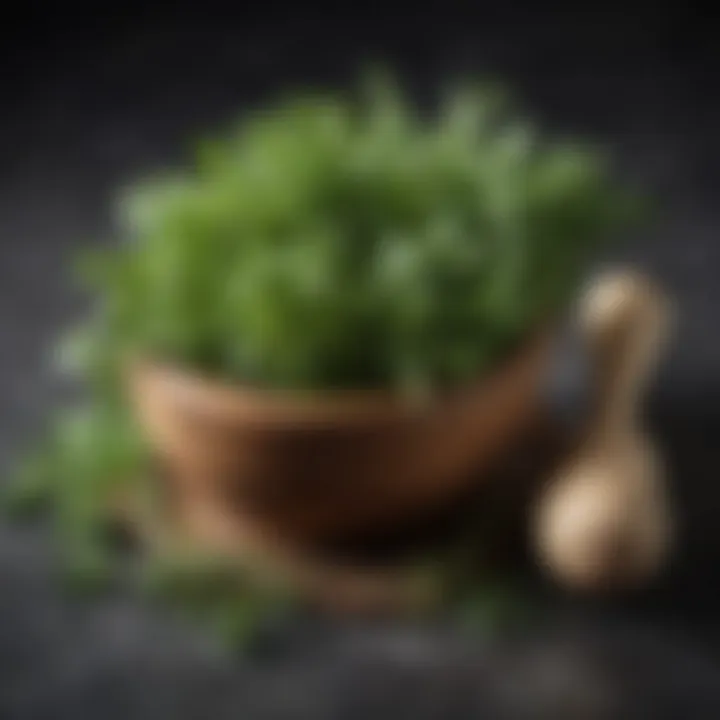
{"x":309,"y":469}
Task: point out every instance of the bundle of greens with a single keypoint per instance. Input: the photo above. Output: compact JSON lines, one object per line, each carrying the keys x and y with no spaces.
{"x":330,"y":244}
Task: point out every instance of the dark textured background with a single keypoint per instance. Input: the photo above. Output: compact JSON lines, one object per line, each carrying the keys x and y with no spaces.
{"x":91,"y":100}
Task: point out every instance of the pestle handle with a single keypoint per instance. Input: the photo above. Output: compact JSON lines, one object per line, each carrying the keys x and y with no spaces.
{"x":624,"y":318}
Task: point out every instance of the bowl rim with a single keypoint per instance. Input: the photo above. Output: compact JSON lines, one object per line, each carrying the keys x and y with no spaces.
{"x":213,"y":397}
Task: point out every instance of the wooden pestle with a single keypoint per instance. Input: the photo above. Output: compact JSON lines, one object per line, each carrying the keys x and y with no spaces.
{"x":604,"y":521}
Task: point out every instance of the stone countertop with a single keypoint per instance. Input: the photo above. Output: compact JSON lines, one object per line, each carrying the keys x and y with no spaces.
{"x":94,"y":106}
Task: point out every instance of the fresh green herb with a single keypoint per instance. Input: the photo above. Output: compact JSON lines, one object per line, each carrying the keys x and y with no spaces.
{"x":216,"y":594}
{"x":337,"y":244}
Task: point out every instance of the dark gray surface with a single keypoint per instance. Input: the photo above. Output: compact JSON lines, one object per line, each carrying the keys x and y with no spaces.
{"x":95,"y":109}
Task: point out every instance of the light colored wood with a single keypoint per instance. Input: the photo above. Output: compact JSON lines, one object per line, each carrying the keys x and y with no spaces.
{"x":605,"y":522}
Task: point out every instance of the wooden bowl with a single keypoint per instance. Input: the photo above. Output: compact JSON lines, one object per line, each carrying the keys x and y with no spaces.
{"x":313,"y":468}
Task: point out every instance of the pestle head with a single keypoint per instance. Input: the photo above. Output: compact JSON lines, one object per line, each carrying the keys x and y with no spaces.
{"x":605,"y":523}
